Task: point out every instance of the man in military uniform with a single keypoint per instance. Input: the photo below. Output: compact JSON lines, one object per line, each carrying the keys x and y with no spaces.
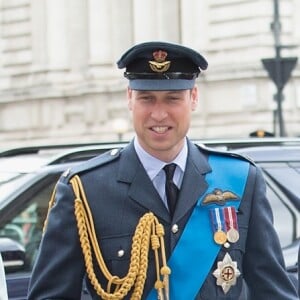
{"x":162,"y":218}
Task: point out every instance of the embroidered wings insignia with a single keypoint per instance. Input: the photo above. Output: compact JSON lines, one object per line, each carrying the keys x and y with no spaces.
{"x":219,"y":197}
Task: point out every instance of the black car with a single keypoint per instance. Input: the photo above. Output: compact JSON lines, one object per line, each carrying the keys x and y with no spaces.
{"x":27,"y":179}
{"x":28,"y":176}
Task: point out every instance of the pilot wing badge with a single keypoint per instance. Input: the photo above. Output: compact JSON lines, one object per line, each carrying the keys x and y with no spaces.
{"x":219,"y":197}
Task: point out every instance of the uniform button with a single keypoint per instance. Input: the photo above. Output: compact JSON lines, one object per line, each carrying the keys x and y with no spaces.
{"x":227,"y":245}
{"x":175,"y":228}
{"x":66,"y":173}
{"x":113,"y":152}
{"x":121,"y":253}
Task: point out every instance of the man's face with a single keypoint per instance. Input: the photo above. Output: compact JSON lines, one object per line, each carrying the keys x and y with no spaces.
{"x":161,"y":119}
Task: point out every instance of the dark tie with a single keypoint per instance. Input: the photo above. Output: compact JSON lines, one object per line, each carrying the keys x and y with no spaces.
{"x":171,"y":188}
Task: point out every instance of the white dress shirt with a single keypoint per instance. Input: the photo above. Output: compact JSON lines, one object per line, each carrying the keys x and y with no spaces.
{"x":154,"y":168}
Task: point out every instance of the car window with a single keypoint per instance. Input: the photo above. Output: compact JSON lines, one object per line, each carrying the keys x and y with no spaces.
{"x":27,"y":224}
{"x":283,"y":219}
{"x":11,"y":185}
{"x":8,"y":176}
{"x":288,"y":180}
{"x":283,"y":193}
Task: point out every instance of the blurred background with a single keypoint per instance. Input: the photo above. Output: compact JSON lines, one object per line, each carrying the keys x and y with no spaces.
{"x":59,"y":81}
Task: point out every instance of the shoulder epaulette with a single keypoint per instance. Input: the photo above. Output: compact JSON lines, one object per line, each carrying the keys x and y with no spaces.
{"x":97,"y":161}
{"x":225,"y":152}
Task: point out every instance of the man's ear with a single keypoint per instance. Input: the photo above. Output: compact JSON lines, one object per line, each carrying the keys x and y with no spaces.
{"x":194,"y":97}
{"x":129,"y":98}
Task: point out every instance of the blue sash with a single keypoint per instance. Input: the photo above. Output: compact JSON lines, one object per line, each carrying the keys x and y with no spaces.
{"x":196,"y":250}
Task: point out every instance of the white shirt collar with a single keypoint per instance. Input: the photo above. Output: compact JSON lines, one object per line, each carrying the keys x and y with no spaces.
{"x":153,"y":165}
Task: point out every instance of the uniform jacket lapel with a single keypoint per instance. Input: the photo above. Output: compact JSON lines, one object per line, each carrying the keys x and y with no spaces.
{"x":194,"y":184}
{"x":141,"y":190}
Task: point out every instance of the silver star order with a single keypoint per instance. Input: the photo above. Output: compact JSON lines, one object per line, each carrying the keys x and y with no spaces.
{"x":226,"y":273}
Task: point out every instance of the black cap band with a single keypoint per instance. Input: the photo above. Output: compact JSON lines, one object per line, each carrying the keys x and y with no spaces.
{"x":188,"y":76}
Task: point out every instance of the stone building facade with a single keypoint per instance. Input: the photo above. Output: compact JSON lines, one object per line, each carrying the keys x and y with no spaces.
{"x":59,"y":82}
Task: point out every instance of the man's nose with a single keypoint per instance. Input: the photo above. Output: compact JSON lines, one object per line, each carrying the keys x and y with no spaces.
{"x":159,"y":112}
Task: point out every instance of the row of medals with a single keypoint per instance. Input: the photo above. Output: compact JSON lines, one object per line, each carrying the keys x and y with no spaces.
{"x":221,"y":237}
{"x":231,"y":235}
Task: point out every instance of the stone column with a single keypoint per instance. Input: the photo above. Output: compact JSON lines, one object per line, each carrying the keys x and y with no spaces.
{"x":156,"y":20}
{"x":78,"y":37}
{"x":99,"y":31}
{"x":56,"y":33}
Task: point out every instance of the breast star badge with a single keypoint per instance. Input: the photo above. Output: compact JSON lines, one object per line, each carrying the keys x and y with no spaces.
{"x":226,"y":273}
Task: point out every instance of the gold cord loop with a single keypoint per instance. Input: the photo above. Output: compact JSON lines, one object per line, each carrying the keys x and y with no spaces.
{"x":148,"y":230}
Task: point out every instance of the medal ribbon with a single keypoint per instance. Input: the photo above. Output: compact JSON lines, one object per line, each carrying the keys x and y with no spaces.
{"x":230,"y":218}
{"x":196,"y":251}
{"x":217,"y":219}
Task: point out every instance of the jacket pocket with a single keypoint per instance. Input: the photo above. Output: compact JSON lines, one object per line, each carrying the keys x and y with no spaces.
{"x":116,"y":252}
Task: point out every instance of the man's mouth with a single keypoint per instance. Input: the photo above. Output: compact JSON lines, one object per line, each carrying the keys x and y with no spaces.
{"x":160,"y":129}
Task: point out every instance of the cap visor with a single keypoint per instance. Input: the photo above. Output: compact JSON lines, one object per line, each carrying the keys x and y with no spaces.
{"x":161,"y":84}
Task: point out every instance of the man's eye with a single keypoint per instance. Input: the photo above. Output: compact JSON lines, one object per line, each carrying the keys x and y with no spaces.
{"x":173,"y":98}
{"x":145,"y":98}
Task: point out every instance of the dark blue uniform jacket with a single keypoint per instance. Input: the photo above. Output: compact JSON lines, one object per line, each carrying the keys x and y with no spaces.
{"x":119,"y":193}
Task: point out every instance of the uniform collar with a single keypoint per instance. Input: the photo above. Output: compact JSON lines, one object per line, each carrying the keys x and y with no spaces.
{"x":153,"y":165}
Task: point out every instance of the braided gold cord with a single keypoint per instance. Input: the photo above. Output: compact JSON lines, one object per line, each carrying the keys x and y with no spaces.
{"x":148,"y":230}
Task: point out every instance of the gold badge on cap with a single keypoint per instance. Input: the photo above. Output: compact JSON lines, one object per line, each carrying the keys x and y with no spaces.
{"x":159,"y":64}
{"x":226,"y":273}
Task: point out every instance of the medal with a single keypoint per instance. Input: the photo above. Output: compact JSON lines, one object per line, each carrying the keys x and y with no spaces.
{"x":231,"y":224}
{"x":233,"y":235}
{"x":220,"y":237}
{"x":226,"y":273}
{"x":218,"y":225}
